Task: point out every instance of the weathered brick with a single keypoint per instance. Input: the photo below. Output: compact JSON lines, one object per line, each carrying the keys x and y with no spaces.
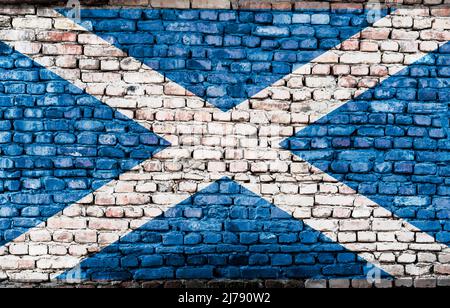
{"x":32,"y":23}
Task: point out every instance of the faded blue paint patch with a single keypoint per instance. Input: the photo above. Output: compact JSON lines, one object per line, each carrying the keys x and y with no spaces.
{"x":392,"y":144}
{"x":57,"y":144}
{"x":225,"y":56}
{"x":224,"y":231}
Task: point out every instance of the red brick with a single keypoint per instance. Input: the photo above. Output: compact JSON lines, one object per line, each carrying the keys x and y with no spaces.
{"x":56,"y":36}
{"x":350,"y":45}
{"x":376,"y":33}
{"x":301,"y":5}
{"x":283,"y":6}
{"x":347,"y":82}
{"x":443,"y":11}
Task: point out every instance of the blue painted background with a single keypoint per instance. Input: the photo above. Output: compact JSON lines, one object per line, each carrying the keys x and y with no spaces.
{"x":57,"y":144}
{"x":225,"y":56}
{"x":392,"y":144}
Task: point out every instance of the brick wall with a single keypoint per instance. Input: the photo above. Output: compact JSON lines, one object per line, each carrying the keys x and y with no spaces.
{"x":170,"y":145}
{"x":227,"y":4}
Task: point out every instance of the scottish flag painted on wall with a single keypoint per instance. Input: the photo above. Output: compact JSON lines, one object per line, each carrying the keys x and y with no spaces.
{"x":225,"y":57}
{"x":389,"y":144}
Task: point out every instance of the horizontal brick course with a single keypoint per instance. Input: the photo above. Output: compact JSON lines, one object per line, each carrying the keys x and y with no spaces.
{"x":234,"y":143}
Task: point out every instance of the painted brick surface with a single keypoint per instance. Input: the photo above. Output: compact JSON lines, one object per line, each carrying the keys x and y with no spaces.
{"x":327,"y":163}
{"x":392,"y":144}
{"x":225,"y":57}
{"x":58,"y":144}
{"x":223,"y":232}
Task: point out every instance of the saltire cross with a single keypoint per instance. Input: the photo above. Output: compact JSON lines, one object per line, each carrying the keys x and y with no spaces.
{"x":236,"y":91}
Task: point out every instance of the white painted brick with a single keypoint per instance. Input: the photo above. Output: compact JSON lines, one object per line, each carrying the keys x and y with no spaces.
{"x":40,"y":236}
{"x":168,"y":199}
{"x":424,"y":257}
{"x":386,"y":225}
{"x":361,"y":212}
{"x":320,"y":82}
{"x":85,"y":236}
{"x":9,"y":262}
{"x":322,"y":212}
{"x":143,"y":77}
{"x":57,"y":250}
{"x":108,"y":224}
{"x":323,"y":224}
{"x":107,"y":238}
{"x":316,"y":284}
{"x":29,"y":276}
{"x":354,"y":225}
{"x":59,"y":263}
{"x":63,"y":236}
{"x":153,"y":212}
{"x":66,"y":223}
{"x":406,"y":237}
{"x":17,"y":35}
{"x":334,"y":200}
{"x":417,"y":270}
{"x":76,"y":250}
{"x":360,"y":57}
{"x":37,"y":250}
{"x":18,"y":249}
{"x":387,"y":257}
{"x":341,"y":212}
{"x":339,"y":283}
{"x":386,"y":237}
{"x":366,"y":236}
{"x":109,"y":65}
{"x":207,"y":155}
{"x":346,"y":237}
{"x":294,"y":200}
{"x":391,"y":247}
